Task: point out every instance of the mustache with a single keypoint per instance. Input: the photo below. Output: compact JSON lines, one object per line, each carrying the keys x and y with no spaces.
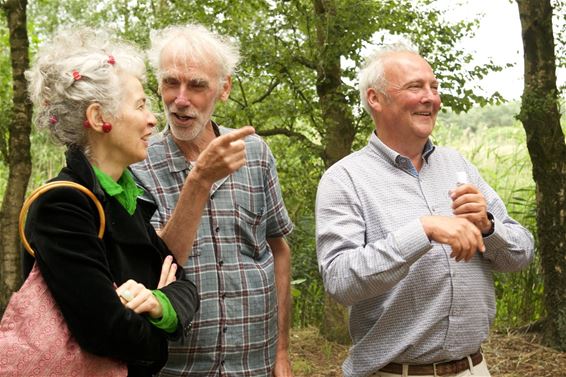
{"x":184,"y":113}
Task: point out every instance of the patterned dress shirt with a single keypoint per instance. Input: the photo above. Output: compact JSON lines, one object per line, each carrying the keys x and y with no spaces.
{"x":235,"y":331}
{"x":409,"y":301}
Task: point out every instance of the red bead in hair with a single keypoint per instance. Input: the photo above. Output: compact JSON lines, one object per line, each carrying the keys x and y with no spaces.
{"x":76,"y":75}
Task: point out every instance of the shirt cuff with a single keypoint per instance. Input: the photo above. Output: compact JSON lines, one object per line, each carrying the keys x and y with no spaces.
{"x":412,"y":241}
{"x":168,"y":321}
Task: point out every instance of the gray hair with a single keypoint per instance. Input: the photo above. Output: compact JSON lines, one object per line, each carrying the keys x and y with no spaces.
{"x":198,"y":43}
{"x":76,"y":69}
{"x":372,"y":73}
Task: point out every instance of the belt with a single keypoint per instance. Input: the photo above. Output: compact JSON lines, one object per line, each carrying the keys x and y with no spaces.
{"x":442,"y":369}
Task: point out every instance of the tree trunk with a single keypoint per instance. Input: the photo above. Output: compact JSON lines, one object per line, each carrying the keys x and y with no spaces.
{"x":19,"y":157}
{"x":339,"y":132}
{"x":336,"y":113}
{"x":541,"y":119}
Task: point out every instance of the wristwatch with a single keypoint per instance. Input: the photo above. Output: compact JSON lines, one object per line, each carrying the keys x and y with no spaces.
{"x":492,"y":228}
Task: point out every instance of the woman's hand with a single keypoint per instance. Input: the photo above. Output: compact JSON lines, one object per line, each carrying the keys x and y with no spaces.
{"x":168,"y":272}
{"x":140,"y":299}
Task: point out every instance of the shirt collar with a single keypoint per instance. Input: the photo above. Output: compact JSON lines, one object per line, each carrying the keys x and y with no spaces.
{"x":177,"y":162}
{"x":124,"y":190}
{"x":392,"y":156}
{"x":428,"y":149}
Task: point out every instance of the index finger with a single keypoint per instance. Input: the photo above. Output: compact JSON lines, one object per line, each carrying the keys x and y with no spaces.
{"x":165,"y":269}
{"x":238,"y":134}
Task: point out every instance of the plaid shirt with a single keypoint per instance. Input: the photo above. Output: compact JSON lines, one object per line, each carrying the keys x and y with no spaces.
{"x":235,"y":331}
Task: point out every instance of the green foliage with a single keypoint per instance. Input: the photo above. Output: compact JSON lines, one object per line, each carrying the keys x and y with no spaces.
{"x":275,"y":90}
{"x":476,"y":118}
{"x":47,"y":158}
{"x":299,"y":173}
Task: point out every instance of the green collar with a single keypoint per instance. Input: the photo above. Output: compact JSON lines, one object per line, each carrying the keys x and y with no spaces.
{"x":125,"y":190}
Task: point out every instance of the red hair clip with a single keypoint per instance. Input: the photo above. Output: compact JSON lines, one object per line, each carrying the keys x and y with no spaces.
{"x":111,"y":60}
{"x":53,"y":120}
{"x":76,"y":75}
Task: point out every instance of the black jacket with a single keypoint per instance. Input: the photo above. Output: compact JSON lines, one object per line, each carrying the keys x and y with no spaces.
{"x":80,"y":270}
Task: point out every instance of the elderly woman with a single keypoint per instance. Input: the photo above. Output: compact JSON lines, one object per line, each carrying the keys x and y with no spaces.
{"x":122,"y":296}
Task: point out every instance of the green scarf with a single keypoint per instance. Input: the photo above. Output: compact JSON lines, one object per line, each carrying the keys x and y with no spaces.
{"x":125,"y":190}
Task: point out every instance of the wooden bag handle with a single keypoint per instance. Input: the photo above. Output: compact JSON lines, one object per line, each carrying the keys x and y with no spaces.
{"x":43,"y":189}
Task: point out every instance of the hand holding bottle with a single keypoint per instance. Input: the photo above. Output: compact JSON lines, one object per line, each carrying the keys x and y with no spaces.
{"x":469,"y":203}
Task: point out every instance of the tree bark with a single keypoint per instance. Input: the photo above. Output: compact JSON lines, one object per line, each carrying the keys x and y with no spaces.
{"x":336,"y":113}
{"x":540,"y":116}
{"x":19,"y":157}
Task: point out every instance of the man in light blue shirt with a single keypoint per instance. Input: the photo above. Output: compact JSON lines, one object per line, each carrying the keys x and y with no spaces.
{"x":409,"y":234}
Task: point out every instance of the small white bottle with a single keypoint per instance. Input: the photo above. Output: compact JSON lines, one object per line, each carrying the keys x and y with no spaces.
{"x":461,"y":178}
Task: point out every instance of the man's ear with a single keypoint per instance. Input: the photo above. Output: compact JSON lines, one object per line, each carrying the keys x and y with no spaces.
{"x":375,"y":100}
{"x":94,"y":116}
{"x":225,"y":90}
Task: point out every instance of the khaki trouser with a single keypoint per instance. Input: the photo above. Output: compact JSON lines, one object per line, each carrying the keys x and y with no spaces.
{"x":479,"y":370}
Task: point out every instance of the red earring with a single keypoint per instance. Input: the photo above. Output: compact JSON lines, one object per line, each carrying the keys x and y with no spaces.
{"x":106,"y":127}
{"x":86,"y":123}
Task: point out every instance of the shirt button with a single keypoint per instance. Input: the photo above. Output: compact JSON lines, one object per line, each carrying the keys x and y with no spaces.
{"x":212,"y":197}
{"x":225,"y":329}
{"x":220,"y":262}
{"x":222,"y":362}
{"x":188,"y":329}
{"x":217,"y":229}
{"x":223,"y":296}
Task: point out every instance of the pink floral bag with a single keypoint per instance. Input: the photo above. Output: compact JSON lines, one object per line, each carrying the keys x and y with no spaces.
{"x":34,"y":337}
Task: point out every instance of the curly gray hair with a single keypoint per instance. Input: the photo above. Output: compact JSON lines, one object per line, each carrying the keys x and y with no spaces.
{"x":76,"y":69}
{"x":198,"y":43}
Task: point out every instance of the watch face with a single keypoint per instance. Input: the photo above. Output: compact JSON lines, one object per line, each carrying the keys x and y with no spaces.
{"x":492,"y":221}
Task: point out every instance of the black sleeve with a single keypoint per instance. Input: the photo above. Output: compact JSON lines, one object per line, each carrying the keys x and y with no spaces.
{"x":62,"y":228}
{"x":182,"y":293}
{"x":27,"y":262}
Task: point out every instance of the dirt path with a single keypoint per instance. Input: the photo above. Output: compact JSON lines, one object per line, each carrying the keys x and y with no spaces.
{"x":507,"y":354}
